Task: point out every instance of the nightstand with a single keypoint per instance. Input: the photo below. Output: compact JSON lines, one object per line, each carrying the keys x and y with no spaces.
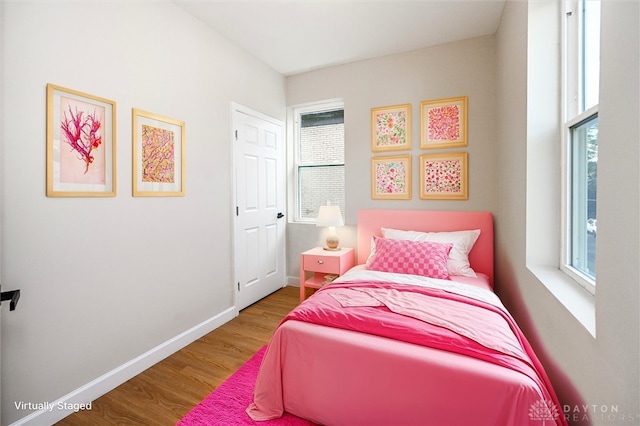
{"x":318,"y":262}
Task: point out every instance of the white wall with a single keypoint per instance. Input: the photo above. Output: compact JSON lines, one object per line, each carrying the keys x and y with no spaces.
{"x":602,"y":372}
{"x":104,"y":280}
{"x":464,"y":68}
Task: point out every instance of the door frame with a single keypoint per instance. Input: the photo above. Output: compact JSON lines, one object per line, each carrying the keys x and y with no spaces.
{"x":241,"y":109}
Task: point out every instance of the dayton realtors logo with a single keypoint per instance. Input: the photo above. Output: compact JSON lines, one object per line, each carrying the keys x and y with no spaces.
{"x":599,"y":414}
{"x":543,"y":410}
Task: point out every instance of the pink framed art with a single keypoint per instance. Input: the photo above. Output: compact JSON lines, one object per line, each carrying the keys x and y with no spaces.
{"x":443,"y":123}
{"x":81,"y":147}
{"x":391,"y":128}
{"x":391,"y":178}
{"x":443,"y":176}
{"x":158,"y":155}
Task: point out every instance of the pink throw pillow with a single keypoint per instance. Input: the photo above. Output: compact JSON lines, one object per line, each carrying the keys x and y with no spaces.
{"x":424,"y":258}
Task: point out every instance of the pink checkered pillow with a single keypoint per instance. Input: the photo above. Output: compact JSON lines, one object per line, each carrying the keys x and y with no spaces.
{"x":410,"y":257}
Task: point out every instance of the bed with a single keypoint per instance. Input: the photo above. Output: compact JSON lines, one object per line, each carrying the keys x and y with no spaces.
{"x":386,"y":345}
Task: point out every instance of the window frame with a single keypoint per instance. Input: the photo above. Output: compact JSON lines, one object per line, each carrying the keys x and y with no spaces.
{"x":295,"y":114}
{"x":572,"y":105}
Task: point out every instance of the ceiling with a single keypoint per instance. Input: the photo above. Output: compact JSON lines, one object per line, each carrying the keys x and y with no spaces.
{"x":295,"y":36}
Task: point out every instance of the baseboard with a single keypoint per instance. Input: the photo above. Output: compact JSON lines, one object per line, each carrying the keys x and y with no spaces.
{"x":64,"y":406}
{"x":293,"y":281}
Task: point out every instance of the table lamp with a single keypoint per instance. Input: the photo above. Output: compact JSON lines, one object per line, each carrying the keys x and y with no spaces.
{"x":330,"y":216}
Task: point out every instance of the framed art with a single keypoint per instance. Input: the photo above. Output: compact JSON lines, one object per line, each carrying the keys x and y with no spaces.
{"x":391,"y":178}
{"x":81,"y":144}
{"x":443,"y":123}
{"x":158,"y":155}
{"x":391,"y":128}
{"x":443,"y":176}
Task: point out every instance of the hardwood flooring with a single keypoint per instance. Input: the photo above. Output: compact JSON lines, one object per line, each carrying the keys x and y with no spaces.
{"x":164,"y":393}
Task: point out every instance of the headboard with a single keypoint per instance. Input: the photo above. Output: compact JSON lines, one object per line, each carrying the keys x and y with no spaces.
{"x":480,"y":257}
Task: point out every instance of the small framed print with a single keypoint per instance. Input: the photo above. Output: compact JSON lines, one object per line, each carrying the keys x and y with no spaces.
{"x":391,"y":128}
{"x":81,"y":144}
{"x":443,"y":176}
{"x":391,"y":178}
{"x":443,"y":123}
{"x":158,"y":155}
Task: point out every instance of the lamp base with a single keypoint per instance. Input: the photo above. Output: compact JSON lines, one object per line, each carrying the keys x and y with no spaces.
{"x":333,"y":243}
{"x":332,"y":248}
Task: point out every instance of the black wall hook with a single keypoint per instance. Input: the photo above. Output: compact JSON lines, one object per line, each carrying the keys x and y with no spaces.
{"x":13,"y":296}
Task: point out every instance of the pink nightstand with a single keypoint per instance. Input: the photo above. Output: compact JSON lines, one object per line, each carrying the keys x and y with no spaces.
{"x":318,"y":262}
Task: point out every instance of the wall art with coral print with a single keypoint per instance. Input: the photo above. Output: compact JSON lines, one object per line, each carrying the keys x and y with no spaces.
{"x":158,"y":155}
{"x":443,"y":123}
{"x":81,"y":149}
{"x":391,"y":128}
{"x":443,"y":176}
{"x":391,"y":178}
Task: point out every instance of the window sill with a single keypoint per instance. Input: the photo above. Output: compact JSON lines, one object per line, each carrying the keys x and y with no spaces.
{"x":578,"y":300}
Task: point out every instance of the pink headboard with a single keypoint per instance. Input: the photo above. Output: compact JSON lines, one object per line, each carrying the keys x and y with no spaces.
{"x":480,"y":257}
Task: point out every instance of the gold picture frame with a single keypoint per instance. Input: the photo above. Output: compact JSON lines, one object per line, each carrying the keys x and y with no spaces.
{"x":158,"y":155}
{"x":443,"y":123}
{"x":81,"y":144}
{"x":391,"y":178}
{"x":444,"y":176}
{"x":391,"y":128}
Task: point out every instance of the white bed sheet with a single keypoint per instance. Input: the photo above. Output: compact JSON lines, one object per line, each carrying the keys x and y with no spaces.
{"x":477,"y":287}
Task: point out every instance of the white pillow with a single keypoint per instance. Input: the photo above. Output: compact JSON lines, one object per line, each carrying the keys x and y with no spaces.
{"x":463,"y":241}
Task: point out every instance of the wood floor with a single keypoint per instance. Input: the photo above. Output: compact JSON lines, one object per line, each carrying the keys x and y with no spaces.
{"x":164,"y":393}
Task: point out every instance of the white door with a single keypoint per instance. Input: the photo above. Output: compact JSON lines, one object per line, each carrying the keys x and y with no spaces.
{"x":259,"y":181}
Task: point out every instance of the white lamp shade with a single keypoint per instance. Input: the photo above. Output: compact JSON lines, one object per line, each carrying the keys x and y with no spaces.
{"x":329,"y":216}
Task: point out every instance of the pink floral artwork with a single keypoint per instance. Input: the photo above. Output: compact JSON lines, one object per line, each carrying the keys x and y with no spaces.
{"x":444,"y":123}
{"x":391,"y":128}
{"x":392,"y":177}
{"x":158,"y":160}
{"x":443,"y":176}
{"x":82,"y":157}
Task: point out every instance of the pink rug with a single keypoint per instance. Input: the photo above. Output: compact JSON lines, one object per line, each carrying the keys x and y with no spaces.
{"x":226,"y":405}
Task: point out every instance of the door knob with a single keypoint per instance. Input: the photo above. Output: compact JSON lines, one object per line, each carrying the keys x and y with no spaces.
{"x":280,"y":215}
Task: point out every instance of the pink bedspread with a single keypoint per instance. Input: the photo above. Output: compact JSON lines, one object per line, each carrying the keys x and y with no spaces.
{"x":421,"y":316}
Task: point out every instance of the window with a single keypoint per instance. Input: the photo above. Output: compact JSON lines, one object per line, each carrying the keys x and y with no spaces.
{"x":319,"y":158}
{"x":582,"y":65}
{"x":584,"y":175}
